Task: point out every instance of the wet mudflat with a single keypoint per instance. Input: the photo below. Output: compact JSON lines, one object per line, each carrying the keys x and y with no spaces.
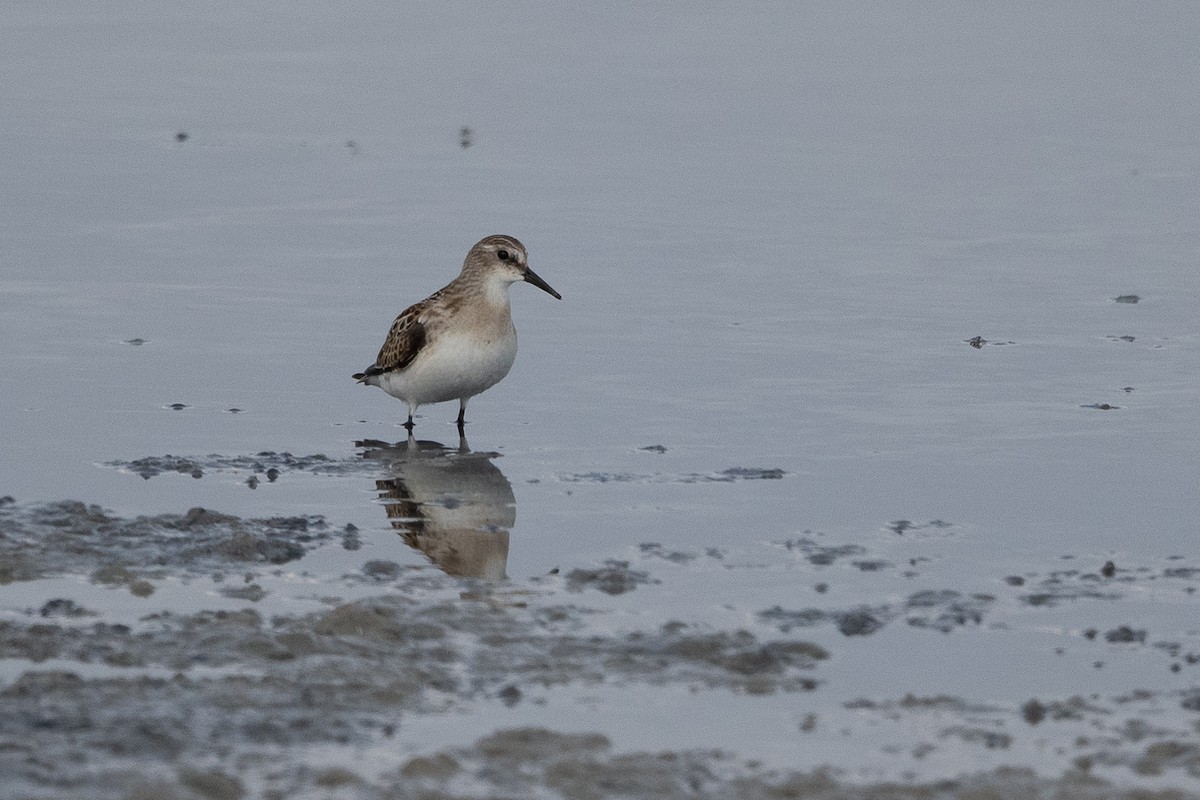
{"x":858,"y":459}
{"x":206,"y":654}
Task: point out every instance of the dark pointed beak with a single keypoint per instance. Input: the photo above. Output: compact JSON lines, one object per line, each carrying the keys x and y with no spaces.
{"x":532,"y":277}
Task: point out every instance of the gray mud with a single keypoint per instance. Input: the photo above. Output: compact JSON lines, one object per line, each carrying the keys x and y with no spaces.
{"x":270,"y":465}
{"x":70,"y":536}
{"x":225,"y":703}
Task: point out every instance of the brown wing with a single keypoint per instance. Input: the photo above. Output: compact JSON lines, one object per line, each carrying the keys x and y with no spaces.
{"x":404,"y":341}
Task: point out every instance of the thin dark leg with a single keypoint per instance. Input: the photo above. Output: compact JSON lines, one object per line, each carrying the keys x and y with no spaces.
{"x":409,"y":425}
{"x":462,"y":413}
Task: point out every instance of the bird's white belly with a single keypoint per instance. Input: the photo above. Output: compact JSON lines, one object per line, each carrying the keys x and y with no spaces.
{"x":452,"y":368}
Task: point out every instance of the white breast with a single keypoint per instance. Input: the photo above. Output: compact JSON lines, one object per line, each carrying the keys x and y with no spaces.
{"x":452,"y":367}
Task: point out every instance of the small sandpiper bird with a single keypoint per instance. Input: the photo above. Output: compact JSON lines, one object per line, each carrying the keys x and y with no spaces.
{"x":460,"y":340}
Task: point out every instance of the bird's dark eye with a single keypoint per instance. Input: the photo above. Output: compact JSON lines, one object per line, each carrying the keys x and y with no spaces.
{"x":502,"y":255}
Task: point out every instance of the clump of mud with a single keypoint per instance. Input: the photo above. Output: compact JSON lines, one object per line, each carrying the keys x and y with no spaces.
{"x":268,"y":464}
{"x":70,"y":537}
{"x":615,"y":577}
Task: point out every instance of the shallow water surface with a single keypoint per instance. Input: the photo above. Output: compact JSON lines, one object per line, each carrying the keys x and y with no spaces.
{"x":859,"y":457}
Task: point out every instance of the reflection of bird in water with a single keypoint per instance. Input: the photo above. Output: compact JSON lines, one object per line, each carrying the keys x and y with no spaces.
{"x":453,"y":505}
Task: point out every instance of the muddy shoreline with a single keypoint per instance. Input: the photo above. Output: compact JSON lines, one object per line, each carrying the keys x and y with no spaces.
{"x":232,"y":702}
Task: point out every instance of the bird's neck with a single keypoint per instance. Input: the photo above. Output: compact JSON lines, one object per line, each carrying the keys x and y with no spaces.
{"x":489,"y":291}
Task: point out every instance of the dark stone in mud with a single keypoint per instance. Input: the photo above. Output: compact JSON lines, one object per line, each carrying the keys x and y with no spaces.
{"x":953,"y":610}
{"x":860,"y":622}
{"x":1033,"y":712}
{"x":73,"y":516}
{"x":114,"y":575}
{"x":1109,"y":569}
{"x":823,"y":555}
{"x":149,"y":467}
{"x":252,"y":592}
{"x":903,"y":526}
{"x":931,"y":598}
{"x":381,"y":570}
{"x":61,"y":607}
{"x":750,"y":474}
{"x":615,"y":577}
{"x":1125,"y":635}
{"x":786,"y":620}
